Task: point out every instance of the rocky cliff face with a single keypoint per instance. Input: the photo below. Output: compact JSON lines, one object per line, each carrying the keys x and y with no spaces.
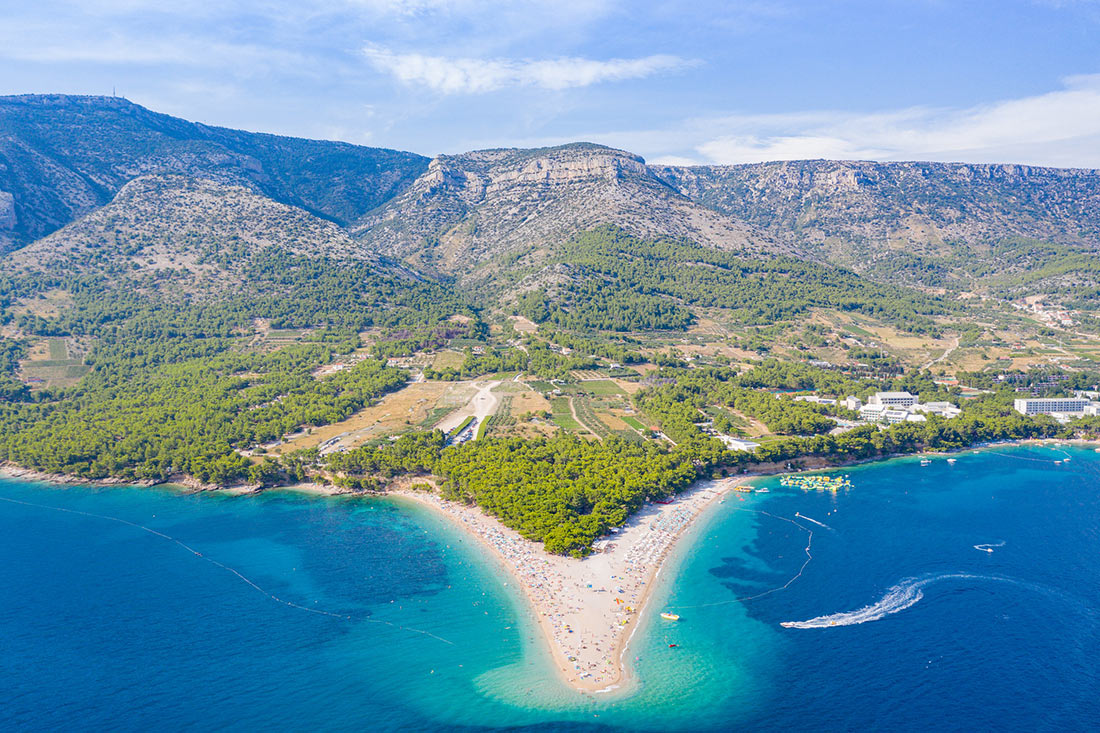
{"x":7,"y":211}
{"x":861,"y":213}
{"x":470,"y":215}
{"x":468,"y":209}
{"x":63,"y":156}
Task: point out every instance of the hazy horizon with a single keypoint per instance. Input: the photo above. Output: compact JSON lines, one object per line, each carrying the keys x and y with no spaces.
{"x":1014,"y":82}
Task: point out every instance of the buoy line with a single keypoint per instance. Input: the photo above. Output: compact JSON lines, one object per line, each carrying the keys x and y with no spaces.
{"x":223,"y":566}
{"x":1029,"y":458}
{"x":809,"y":543}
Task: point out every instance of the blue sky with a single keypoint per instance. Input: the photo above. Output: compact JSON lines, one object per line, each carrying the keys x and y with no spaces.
{"x":702,"y":82}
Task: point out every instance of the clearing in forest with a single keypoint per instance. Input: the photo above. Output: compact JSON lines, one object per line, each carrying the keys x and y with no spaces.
{"x":54,"y":362}
{"x":398,"y":412}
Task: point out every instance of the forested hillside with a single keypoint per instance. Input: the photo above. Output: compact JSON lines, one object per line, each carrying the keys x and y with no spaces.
{"x":618,"y":282}
{"x":181,"y":300}
{"x":184,"y":388}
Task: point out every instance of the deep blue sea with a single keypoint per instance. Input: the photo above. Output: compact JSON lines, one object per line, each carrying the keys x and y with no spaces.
{"x":942,"y":597}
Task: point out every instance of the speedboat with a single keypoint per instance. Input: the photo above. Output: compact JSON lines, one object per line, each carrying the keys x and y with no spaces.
{"x":670,"y":616}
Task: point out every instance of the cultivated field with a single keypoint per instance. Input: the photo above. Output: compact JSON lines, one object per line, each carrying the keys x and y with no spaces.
{"x":448,"y":359}
{"x":420,"y":404}
{"x":54,"y":363}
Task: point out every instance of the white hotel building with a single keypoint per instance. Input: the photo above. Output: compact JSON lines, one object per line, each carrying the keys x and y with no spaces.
{"x":893,"y":399}
{"x":1049,"y":405}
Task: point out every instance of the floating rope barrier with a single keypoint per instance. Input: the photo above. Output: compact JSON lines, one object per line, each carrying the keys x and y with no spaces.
{"x":1028,"y":458}
{"x":809,"y":542}
{"x":223,"y":566}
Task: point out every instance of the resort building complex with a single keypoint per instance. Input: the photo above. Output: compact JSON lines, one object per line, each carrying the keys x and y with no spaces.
{"x":1052,"y":405}
{"x":892,"y":399}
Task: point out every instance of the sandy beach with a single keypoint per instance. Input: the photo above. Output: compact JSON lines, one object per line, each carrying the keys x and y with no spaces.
{"x":588,"y":609}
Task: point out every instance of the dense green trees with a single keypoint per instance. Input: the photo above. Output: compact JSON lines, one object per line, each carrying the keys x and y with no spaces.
{"x":566,"y":492}
{"x":623,"y":283}
{"x":681,"y":404}
{"x":562,"y":491}
{"x":536,"y":357}
{"x":175,"y":386}
{"x":985,"y":420}
{"x":189,"y":417}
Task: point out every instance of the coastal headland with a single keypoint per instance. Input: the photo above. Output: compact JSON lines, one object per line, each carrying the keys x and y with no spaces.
{"x":588,"y":609}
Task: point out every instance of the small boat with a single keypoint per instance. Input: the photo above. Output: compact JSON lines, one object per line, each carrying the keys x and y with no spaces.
{"x":670,"y":616}
{"x":950,"y":460}
{"x":1057,"y":463}
{"x":673,"y":646}
{"x":925,"y":462}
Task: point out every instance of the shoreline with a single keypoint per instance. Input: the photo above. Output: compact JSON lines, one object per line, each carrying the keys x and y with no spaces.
{"x":14,"y":470}
{"x":8,"y":469}
{"x":588,"y":610}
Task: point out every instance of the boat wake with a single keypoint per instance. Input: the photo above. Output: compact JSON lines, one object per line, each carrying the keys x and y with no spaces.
{"x":902,"y":596}
{"x":808,"y":519}
{"x":989,"y":548}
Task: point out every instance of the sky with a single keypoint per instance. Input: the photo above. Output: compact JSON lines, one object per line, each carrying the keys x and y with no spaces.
{"x":1001,"y":81}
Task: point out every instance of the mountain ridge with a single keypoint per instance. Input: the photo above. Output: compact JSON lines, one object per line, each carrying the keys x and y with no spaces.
{"x":179,"y":230}
{"x":470,"y":208}
{"x":62,"y":156}
{"x":954,"y":226}
{"x":858,"y":213}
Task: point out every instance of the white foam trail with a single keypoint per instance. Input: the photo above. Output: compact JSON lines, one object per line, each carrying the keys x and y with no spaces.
{"x":810,"y":519}
{"x":898,"y":598}
{"x":989,"y":548}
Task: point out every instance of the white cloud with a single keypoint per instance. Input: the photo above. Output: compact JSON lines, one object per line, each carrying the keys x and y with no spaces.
{"x":1056,"y":128}
{"x":66,"y":45}
{"x":474,"y":75}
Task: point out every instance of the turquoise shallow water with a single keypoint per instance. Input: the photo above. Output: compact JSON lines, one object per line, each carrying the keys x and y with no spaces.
{"x":297,"y":612}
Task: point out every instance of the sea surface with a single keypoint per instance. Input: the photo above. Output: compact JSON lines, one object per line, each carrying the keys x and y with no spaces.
{"x":959,"y":596}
